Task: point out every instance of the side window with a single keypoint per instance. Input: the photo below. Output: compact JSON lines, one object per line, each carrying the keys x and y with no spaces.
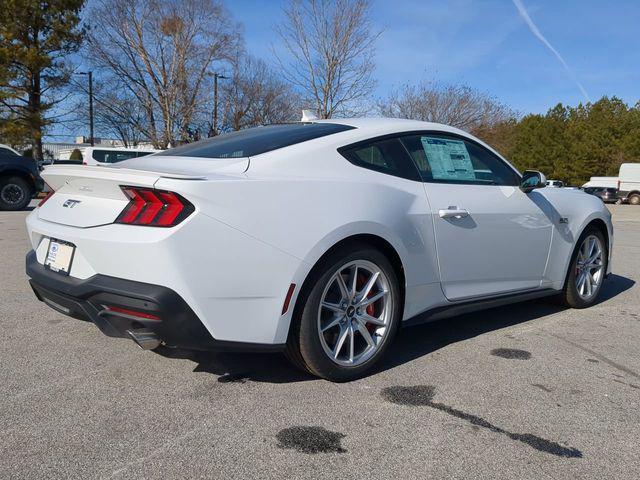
{"x":99,"y":155}
{"x":116,"y":157}
{"x":444,"y":159}
{"x":384,"y":156}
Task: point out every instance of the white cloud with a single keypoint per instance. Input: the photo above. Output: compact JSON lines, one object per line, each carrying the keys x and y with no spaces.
{"x":536,"y":32}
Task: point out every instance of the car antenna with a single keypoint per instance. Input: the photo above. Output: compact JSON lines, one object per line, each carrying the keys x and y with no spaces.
{"x":308,"y":116}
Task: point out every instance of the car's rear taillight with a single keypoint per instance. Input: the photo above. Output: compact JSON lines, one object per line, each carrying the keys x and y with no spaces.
{"x":154,"y":208}
{"x":48,"y":195}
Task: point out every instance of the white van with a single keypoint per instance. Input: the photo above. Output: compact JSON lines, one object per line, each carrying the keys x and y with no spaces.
{"x":602,"y":182}
{"x":104,"y":156}
{"x":629,"y":183}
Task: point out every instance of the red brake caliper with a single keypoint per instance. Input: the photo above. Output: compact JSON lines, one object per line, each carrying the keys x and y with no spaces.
{"x":370,"y":308}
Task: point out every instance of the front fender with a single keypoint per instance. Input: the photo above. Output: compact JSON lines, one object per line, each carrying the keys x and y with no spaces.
{"x":578,"y":209}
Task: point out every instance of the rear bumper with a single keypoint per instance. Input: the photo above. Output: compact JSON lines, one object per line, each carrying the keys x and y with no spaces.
{"x":177,"y":325}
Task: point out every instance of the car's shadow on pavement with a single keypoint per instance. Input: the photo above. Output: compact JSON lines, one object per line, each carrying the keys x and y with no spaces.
{"x":411,"y":343}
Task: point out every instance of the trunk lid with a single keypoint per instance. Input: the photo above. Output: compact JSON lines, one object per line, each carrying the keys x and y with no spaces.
{"x":90,"y":196}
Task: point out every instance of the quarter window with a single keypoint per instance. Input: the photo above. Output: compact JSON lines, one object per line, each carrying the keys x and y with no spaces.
{"x":384,"y":155}
{"x":446,"y":159}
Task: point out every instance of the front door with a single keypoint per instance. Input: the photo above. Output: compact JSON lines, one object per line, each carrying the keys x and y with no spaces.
{"x":491,"y":238}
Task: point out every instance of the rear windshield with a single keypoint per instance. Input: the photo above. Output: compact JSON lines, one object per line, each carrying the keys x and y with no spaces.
{"x":254,"y":141}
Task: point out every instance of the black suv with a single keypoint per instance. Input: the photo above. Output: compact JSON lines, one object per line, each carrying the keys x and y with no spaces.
{"x":19,"y":180}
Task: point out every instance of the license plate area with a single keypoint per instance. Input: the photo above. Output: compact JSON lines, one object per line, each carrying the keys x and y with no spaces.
{"x":59,"y":256}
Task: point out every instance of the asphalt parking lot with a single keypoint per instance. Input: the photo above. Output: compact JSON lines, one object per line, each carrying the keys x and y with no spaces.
{"x":525,"y":391}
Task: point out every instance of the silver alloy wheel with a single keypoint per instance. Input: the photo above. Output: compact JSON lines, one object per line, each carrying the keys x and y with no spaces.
{"x":12,"y":194}
{"x":354,"y":313}
{"x":589,"y":267}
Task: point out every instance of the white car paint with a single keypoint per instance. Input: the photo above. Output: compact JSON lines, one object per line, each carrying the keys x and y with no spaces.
{"x":261,"y":224}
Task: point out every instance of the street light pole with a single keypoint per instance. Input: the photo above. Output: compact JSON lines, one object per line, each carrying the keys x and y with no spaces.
{"x":215,"y":104}
{"x":91,"y":107}
{"x":90,"y":75}
{"x":216,"y":76}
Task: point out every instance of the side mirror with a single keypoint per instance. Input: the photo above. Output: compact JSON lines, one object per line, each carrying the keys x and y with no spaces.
{"x":531,"y":180}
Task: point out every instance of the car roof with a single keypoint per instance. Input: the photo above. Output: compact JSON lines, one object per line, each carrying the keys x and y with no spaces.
{"x":374,"y":124}
{"x":370,"y":127}
{"x":123,"y":149}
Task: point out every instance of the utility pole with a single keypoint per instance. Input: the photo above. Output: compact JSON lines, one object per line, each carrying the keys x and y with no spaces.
{"x":91,"y":107}
{"x":216,"y":76}
{"x":90,"y":75}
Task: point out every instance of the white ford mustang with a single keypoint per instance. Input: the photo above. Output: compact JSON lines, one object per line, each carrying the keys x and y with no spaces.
{"x":318,"y":238}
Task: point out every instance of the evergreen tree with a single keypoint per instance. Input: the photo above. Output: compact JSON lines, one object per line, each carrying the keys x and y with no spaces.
{"x":573,"y":143}
{"x":35,"y":37}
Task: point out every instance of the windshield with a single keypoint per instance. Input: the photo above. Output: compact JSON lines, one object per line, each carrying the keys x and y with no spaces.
{"x":254,"y":141}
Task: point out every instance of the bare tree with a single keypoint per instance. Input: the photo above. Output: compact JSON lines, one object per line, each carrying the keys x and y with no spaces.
{"x":116,"y":113}
{"x":456,"y":105}
{"x":255,"y":95}
{"x":329,"y":47}
{"x":160,"y":52}
{"x":119,"y":115}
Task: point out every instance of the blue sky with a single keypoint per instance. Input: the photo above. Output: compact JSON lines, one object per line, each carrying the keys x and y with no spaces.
{"x":487,"y":45}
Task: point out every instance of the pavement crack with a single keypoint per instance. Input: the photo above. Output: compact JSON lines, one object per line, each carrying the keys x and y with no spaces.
{"x":542,"y":387}
{"x":599,"y":356}
{"x":156,"y":451}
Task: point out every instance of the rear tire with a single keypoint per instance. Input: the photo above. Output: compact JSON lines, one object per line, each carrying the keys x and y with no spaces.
{"x":634,"y":199}
{"x":15,"y":193}
{"x":347,"y":315}
{"x":586,"y":270}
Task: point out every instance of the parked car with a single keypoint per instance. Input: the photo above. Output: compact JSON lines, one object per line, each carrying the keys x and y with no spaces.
{"x":19,"y":180}
{"x":103,"y":155}
{"x":318,"y":239}
{"x":7,"y":149}
{"x":607,"y":195}
{"x":629,"y":183}
{"x":555,"y":183}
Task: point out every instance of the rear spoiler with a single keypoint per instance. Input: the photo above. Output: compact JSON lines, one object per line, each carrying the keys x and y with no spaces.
{"x":57,"y":175}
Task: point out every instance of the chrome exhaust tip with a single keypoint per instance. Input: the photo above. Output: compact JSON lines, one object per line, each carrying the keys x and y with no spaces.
{"x":144,"y":338}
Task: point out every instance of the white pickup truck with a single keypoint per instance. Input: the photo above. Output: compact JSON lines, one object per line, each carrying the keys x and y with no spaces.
{"x":629,"y":183}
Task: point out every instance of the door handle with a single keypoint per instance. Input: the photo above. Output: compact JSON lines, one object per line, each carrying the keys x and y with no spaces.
{"x":453,"y":212}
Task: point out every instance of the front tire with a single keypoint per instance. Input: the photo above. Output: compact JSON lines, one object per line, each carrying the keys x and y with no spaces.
{"x":345,"y":321}
{"x":634,"y":199}
{"x":587,"y":270}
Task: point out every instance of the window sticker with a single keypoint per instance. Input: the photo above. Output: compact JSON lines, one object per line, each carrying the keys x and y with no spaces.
{"x":448,"y":159}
